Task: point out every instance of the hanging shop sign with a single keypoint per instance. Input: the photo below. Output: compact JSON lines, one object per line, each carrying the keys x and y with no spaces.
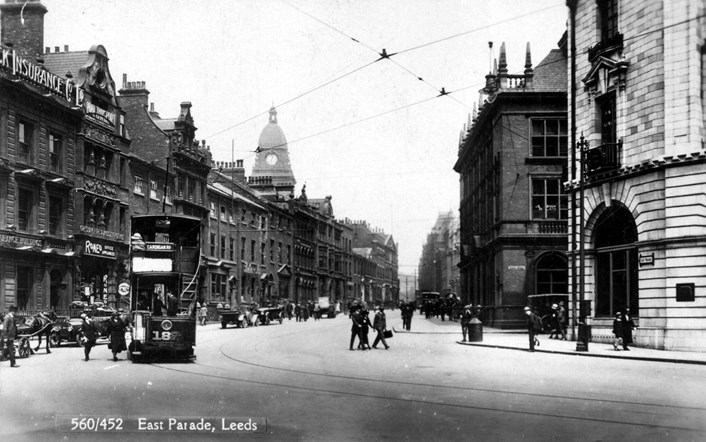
{"x":12,"y":62}
{"x":93,"y":248}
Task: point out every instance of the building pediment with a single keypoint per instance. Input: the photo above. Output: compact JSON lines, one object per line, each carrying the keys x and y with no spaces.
{"x":605,"y":74}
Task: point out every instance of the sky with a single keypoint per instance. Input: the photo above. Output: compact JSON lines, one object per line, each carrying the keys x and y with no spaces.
{"x":371,"y":132}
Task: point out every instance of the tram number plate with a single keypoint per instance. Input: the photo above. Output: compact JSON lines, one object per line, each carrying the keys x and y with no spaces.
{"x":163,"y":336}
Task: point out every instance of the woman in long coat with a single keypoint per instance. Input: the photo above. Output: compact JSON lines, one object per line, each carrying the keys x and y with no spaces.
{"x":628,"y":326}
{"x":116,"y":329}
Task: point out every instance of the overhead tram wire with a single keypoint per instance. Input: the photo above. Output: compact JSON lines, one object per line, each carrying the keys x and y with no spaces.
{"x":470,"y":31}
{"x":372,"y":117}
{"x":295,"y":98}
{"x":383,"y":54}
{"x":379,"y":53}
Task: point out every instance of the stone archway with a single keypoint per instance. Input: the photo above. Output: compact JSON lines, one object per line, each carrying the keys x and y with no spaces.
{"x":616,"y":262}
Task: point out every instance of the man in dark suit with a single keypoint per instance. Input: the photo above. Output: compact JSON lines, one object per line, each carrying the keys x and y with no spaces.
{"x":534,"y":326}
{"x":9,"y":333}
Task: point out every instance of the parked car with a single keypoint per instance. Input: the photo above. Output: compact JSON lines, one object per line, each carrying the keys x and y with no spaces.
{"x":65,"y":329}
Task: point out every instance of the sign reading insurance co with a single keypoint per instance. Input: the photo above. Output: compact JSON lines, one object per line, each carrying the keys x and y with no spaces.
{"x":12,"y":62}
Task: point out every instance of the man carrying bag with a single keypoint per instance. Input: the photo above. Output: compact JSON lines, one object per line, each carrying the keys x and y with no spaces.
{"x":380,"y":324}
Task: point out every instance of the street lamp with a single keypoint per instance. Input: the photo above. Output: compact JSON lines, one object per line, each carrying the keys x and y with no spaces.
{"x":584,"y":332}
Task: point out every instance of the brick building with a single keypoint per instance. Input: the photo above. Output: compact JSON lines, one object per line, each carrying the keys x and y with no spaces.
{"x":639,"y":106}
{"x":438,"y":265}
{"x":40,"y":125}
{"x":513,"y":213}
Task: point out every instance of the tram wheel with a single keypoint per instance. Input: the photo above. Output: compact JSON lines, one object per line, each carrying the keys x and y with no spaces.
{"x":25,"y":349}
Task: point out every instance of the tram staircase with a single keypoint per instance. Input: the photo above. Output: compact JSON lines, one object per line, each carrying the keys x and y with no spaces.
{"x":187,"y":289}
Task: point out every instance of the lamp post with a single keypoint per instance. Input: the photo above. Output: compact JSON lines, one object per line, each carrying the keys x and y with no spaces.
{"x":584,"y":331}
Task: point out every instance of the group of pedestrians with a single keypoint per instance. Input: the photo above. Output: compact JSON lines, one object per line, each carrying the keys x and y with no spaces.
{"x":116,"y":328}
{"x":360,"y":318}
{"x":623,"y":325}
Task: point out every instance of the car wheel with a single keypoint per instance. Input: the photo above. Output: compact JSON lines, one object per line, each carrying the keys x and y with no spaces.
{"x":54,"y":340}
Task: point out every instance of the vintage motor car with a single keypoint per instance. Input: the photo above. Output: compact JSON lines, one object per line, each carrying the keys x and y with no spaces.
{"x":65,"y":329}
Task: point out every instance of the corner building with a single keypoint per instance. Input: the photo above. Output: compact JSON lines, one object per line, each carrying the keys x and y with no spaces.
{"x":639,"y":104}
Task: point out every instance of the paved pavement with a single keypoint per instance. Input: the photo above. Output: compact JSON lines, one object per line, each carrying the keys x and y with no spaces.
{"x":518,"y":340}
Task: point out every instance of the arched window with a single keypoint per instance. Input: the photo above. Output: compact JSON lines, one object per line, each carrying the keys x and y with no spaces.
{"x":552,"y":274}
{"x":616,"y":262}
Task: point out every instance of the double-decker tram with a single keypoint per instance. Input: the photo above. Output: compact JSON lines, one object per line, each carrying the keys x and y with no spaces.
{"x":165,"y":265}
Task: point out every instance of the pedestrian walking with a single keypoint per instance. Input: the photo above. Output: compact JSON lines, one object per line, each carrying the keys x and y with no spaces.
{"x":534,"y":326}
{"x":89,"y":334}
{"x":554,"y":322}
{"x":365,"y":327}
{"x":380,"y":325}
{"x":317,"y":312}
{"x":298,"y":312}
{"x":203,"y":313}
{"x":9,"y":333}
{"x":466,"y":317}
{"x":628,"y":326}
{"x":561,"y":316}
{"x":356,"y":321}
{"x":618,"y":332}
{"x":116,"y":331}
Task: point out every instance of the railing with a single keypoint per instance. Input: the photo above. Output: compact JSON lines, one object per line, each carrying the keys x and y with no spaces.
{"x":553,"y":227}
{"x":604,"y":157}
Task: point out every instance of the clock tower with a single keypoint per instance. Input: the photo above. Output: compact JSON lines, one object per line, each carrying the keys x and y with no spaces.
{"x":272,"y":173}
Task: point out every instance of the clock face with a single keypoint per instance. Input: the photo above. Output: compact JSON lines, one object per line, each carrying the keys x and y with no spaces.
{"x":271,"y":159}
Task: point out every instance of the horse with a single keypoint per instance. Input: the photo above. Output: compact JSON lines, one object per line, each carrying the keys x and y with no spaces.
{"x":42,"y":324}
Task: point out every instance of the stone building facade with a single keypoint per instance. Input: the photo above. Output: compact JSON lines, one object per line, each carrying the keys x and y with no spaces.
{"x":513,"y":212}
{"x":639,"y":231}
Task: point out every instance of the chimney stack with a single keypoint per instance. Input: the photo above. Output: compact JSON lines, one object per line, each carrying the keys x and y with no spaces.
{"x":23,"y":25}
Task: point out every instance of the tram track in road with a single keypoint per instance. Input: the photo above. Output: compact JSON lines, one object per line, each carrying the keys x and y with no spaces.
{"x":521,"y":401}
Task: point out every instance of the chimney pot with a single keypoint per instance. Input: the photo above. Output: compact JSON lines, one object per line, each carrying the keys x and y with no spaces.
{"x":151,"y":107}
{"x":124,"y":80}
{"x":66,"y":48}
{"x":56,"y":48}
{"x":47,"y":50}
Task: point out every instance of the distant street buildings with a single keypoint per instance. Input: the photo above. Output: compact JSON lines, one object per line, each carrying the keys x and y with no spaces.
{"x":438,"y":269}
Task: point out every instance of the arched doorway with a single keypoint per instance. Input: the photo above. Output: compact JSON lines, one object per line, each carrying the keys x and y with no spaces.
{"x":616,"y":277}
{"x":56,"y":286}
{"x":552,"y":274}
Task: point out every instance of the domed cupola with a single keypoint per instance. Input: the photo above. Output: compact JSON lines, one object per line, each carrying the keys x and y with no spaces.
{"x":272,"y":173}
{"x":272,"y":135}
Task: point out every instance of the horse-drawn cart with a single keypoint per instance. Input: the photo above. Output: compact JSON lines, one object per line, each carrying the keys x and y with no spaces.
{"x":22,"y":348}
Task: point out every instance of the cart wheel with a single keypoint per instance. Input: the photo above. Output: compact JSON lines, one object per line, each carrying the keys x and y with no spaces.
{"x":54,"y":340}
{"x":24,"y":348}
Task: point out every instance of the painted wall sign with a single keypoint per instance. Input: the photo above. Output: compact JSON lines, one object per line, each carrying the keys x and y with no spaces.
{"x":10,"y":61}
{"x":159,"y":246}
{"x":19,"y":240}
